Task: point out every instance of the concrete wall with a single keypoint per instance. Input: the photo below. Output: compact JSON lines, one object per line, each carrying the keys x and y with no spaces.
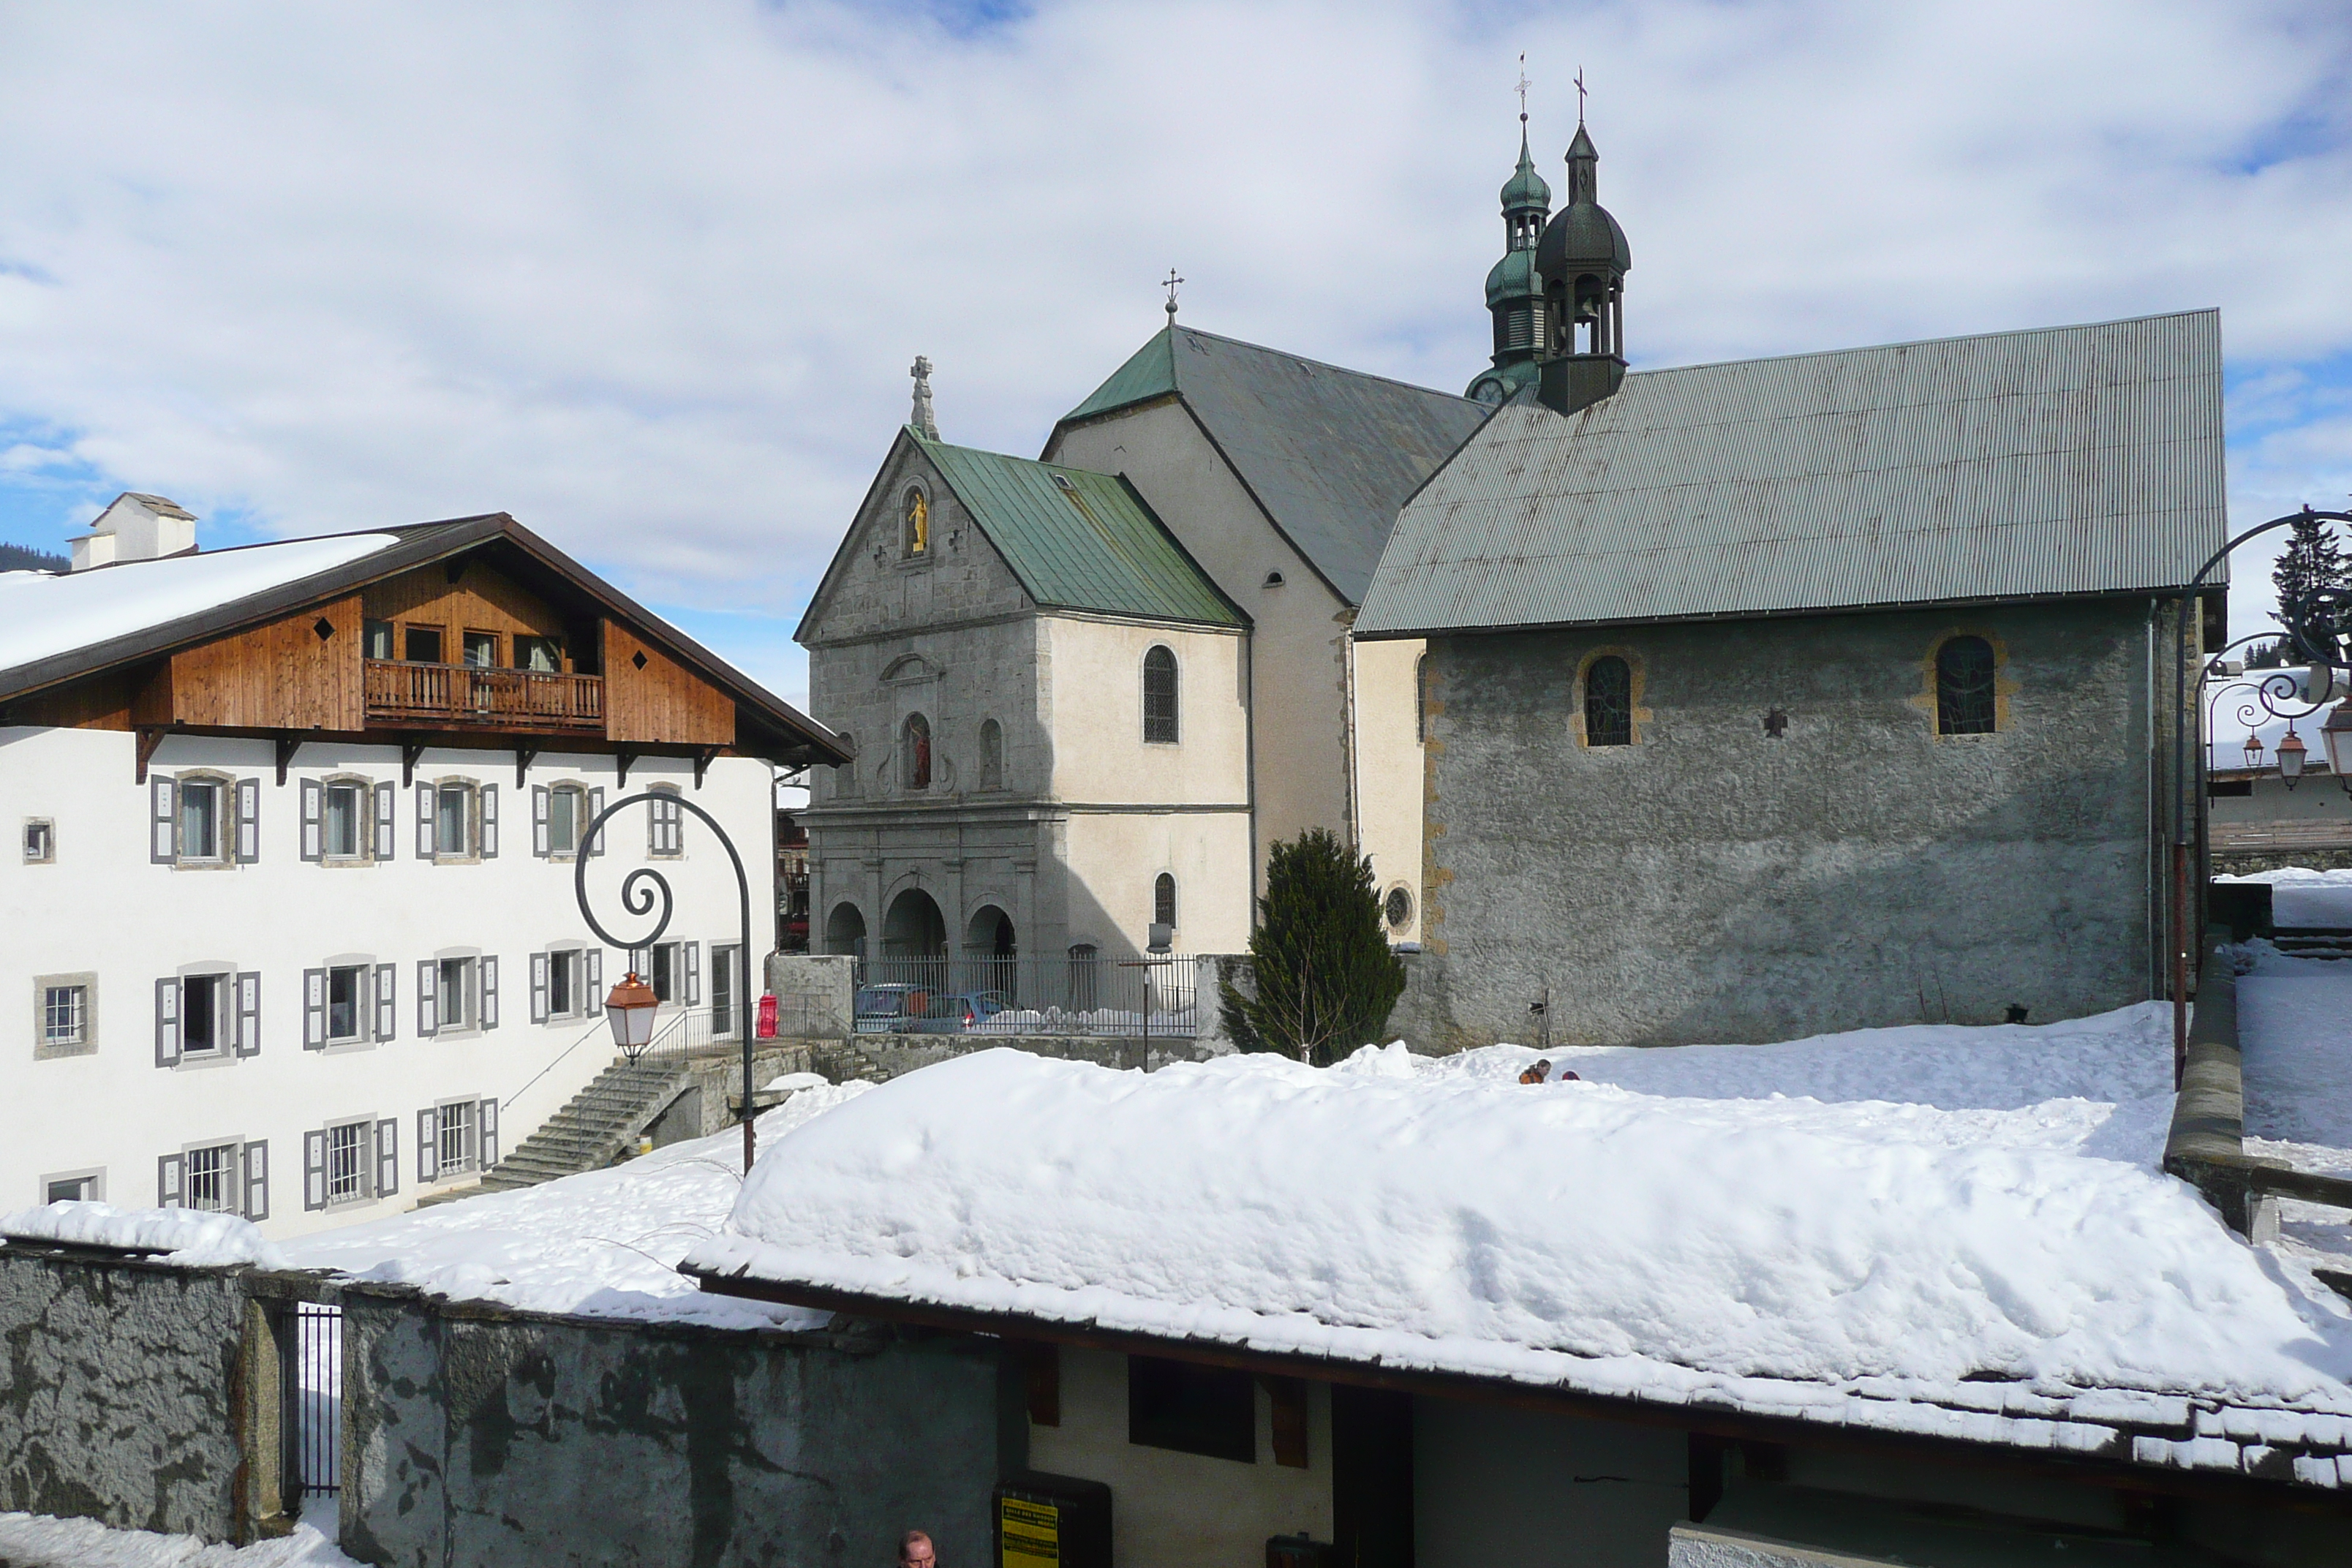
{"x":1170,"y":1510}
{"x":814,"y":993}
{"x":482,"y":1438}
{"x":119,"y":1393}
{"x":103,"y":910}
{"x":1714,"y":882}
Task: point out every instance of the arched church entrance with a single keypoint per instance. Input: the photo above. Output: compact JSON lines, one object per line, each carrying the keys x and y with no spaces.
{"x":991,"y":954}
{"x":844,"y":930}
{"x":915,"y":938}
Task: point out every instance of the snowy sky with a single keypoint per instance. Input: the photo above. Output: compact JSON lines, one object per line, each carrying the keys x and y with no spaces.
{"x":650,"y":277}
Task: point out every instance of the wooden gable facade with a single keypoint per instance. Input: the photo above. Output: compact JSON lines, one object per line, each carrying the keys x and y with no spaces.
{"x":502,"y":645}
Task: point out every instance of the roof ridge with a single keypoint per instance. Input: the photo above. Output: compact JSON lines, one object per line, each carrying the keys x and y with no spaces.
{"x":1327,"y":364}
{"x":1929,"y":343}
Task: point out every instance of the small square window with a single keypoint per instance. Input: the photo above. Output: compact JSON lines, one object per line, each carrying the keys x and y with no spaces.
{"x":1208,"y":1410}
{"x":482,"y":650}
{"x":377,"y":638}
{"x":65,"y":1020}
{"x":212,"y":1180}
{"x":542,"y":656}
{"x":40,"y":841}
{"x":421,"y":644}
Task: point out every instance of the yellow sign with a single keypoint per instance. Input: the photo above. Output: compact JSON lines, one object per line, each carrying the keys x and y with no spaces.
{"x":1029,"y":1533}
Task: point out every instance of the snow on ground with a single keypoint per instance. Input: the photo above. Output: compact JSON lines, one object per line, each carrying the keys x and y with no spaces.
{"x":606,"y":1243}
{"x":183,"y":1235}
{"x":42,"y":615}
{"x":2294,"y":1029}
{"x":2303,"y":897}
{"x":38,"y":1540}
{"x":1897,"y":1211}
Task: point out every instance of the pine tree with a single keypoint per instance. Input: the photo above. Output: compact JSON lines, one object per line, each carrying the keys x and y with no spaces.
{"x":2271,"y":655}
{"x":1325,"y":977}
{"x":2311,"y":570}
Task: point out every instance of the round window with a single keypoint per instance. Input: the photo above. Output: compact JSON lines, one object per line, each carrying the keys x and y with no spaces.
{"x":1398,"y":908}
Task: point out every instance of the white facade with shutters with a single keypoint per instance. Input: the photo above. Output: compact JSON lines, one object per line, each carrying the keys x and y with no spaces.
{"x":309,"y":1001}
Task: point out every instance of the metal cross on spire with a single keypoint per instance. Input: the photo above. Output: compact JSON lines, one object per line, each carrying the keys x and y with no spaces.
{"x":1524,"y":84}
{"x":1579,"y":95}
{"x":1169,"y":282}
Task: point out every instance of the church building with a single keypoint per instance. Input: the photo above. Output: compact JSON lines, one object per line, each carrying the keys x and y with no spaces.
{"x":1795,"y":695}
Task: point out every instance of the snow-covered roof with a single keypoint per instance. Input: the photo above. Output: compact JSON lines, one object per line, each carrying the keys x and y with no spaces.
{"x":44,"y":615}
{"x":184,"y":1237}
{"x":1959,"y":1232}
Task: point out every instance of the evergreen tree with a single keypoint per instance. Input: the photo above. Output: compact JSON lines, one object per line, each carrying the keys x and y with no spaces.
{"x":1325,"y":977}
{"x":2307,"y":577}
{"x":2271,"y":655}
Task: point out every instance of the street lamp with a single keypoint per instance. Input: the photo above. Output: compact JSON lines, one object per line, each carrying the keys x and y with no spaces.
{"x":632,"y":1010}
{"x":2335,"y":734}
{"x":2291,"y":753}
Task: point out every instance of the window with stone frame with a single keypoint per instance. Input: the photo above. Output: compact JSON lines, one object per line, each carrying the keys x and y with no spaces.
{"x":1965,"y":690}
{"x":914,"y":752}
{"x":991,"y":754}
{"x":1609,"y":702}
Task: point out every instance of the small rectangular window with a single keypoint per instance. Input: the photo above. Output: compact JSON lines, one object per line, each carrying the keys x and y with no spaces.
{"x":458,"y":1005}
{"x":40,"y":841}
{"x":202,"y":997}
{"x":722,"y":989}
{"x":563,"y":820}
{"x":212,"y":1182}
{"x":347,"y":806}
{"x":65,"y":1016}
{"x":458,"y":1140}
{"x":421,"y":644}
{"x":375,"y":639}
{"x":346,"y":1002}
{"x":543,"y":656}
{"x":200,"y":820}
{"x":665,"y":971}
{"x":349,"y":1155}
{"x":563,"y":984}
{"x":482,"y":650}
{"x":1209,"y":1410}
{"x":453,"y":820}
{"x":70,"y":1189}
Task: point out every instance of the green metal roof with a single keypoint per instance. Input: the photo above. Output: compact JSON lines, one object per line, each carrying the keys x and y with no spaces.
{"x":1079,"y":541}
{"x":2014,"y":465}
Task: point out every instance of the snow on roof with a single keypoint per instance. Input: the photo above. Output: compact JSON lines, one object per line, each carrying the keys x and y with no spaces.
{"x":602,"y":1244}
{"x":42,"y":615}
{"x":1938,"y":1229}
{"x":178,"y":1236}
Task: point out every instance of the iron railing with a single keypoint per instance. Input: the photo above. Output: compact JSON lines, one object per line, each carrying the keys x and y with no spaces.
{"x":317,"y":1387}
{"x":470,"y":694}
{"x":1152,"y":996}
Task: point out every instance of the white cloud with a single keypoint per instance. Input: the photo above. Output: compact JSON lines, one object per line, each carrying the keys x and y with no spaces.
{"x":650,"y":277}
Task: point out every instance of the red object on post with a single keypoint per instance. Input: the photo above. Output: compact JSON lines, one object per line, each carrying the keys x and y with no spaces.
{"x":765,"y":1028}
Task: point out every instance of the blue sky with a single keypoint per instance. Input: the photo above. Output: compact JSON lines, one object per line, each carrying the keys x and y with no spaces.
{"x":651,"y":279}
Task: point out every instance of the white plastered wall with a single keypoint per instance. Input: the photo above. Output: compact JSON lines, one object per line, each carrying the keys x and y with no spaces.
{"x":101,"y":907}
{"x":1390,"y":782}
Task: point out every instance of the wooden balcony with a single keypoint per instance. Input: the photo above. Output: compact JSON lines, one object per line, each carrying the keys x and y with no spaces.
{"x":475,"y":697}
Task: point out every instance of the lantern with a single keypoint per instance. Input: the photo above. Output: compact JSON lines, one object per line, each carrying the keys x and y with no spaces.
{"x":631,"y":1009}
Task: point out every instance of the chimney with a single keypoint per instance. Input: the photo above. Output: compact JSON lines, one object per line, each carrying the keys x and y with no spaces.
{"x":135,"y":527}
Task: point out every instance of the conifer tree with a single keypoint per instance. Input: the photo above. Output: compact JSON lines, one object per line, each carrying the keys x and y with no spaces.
{"x":1325,"y":977}
{"x":2312,"y":568}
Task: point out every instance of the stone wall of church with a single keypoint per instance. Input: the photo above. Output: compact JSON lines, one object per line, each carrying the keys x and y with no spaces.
{"x":1789,"y":847}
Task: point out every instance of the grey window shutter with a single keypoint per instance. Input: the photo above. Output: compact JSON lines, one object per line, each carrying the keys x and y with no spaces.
{"x":539,"y":988}
{"x":595,"y":998}
{"x":489,"y":1115}
{"x":256,"y":1180}
{"x":489,"y":968}
{"x":164,"y":847}
{"x":385,"y":824}
{"x":595,"y":809}
{"x":428,"y":1145}
{"x":167,"y":1023}
{"x":249,"y":1012}
{"x":167,"y":1181}
{"x":429,"y":998}
{"x":249,"y":821}
{"x":490,"y":822}
{"x":388,"y":981}
{"x":313,"y":807}
{"x":387,"y":1158}
{"x":314,"y":1009}
{"x":539,"y":843}
{"x":314,"y":1171}
{"x":424,"y":822}
{"x":693,"y":951}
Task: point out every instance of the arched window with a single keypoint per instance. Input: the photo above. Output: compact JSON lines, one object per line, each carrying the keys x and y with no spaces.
{"x":1609,"y":702}
{"x":1964,"y":687}
{"x":1159,"y":696}
{"x":914,"y":533}
{"x":991,"y":754}
{"x":845,"y":775}
{"x":1163,"y":899}
{"x":914,"y":752}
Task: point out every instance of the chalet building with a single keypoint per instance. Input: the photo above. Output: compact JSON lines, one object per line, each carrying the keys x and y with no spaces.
{"x":1793,"y":695}
{"x":291,"y":920}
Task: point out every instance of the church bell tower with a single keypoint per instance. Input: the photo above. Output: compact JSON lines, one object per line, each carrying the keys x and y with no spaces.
{"x":1582,"y":259}
{"x":1514,"y":292}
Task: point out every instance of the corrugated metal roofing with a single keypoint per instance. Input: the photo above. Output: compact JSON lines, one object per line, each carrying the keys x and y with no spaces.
{"x":1330,"y":453}
{"x":1079,"y":541}
{"x":2065,"y":461}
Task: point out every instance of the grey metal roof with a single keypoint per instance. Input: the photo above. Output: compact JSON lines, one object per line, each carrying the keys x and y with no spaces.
{"x":1329,"y":452}
{"x":2064,"y":460}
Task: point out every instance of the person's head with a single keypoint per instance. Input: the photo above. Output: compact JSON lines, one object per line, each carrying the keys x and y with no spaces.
{"x":915,"y":1549}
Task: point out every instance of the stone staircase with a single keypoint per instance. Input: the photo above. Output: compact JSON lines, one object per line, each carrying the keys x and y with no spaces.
{"x":601,"y":1121}
{"x":2313,"y":941}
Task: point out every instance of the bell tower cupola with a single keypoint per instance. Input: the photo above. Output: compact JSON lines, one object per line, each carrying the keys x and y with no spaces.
{"x":1514,"y":292}
{"x":1582,"y":261}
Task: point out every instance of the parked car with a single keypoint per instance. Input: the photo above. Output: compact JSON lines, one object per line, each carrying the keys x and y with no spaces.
{"x":953,"y":1012}
{"x":901,"y":1008}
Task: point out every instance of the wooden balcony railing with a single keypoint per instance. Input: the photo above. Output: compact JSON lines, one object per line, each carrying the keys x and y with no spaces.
{"x":469,"y":696}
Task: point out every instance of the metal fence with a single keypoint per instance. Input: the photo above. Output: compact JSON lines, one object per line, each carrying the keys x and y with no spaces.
{"x":317,"y":1390}
{"x":1150,"y":996}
